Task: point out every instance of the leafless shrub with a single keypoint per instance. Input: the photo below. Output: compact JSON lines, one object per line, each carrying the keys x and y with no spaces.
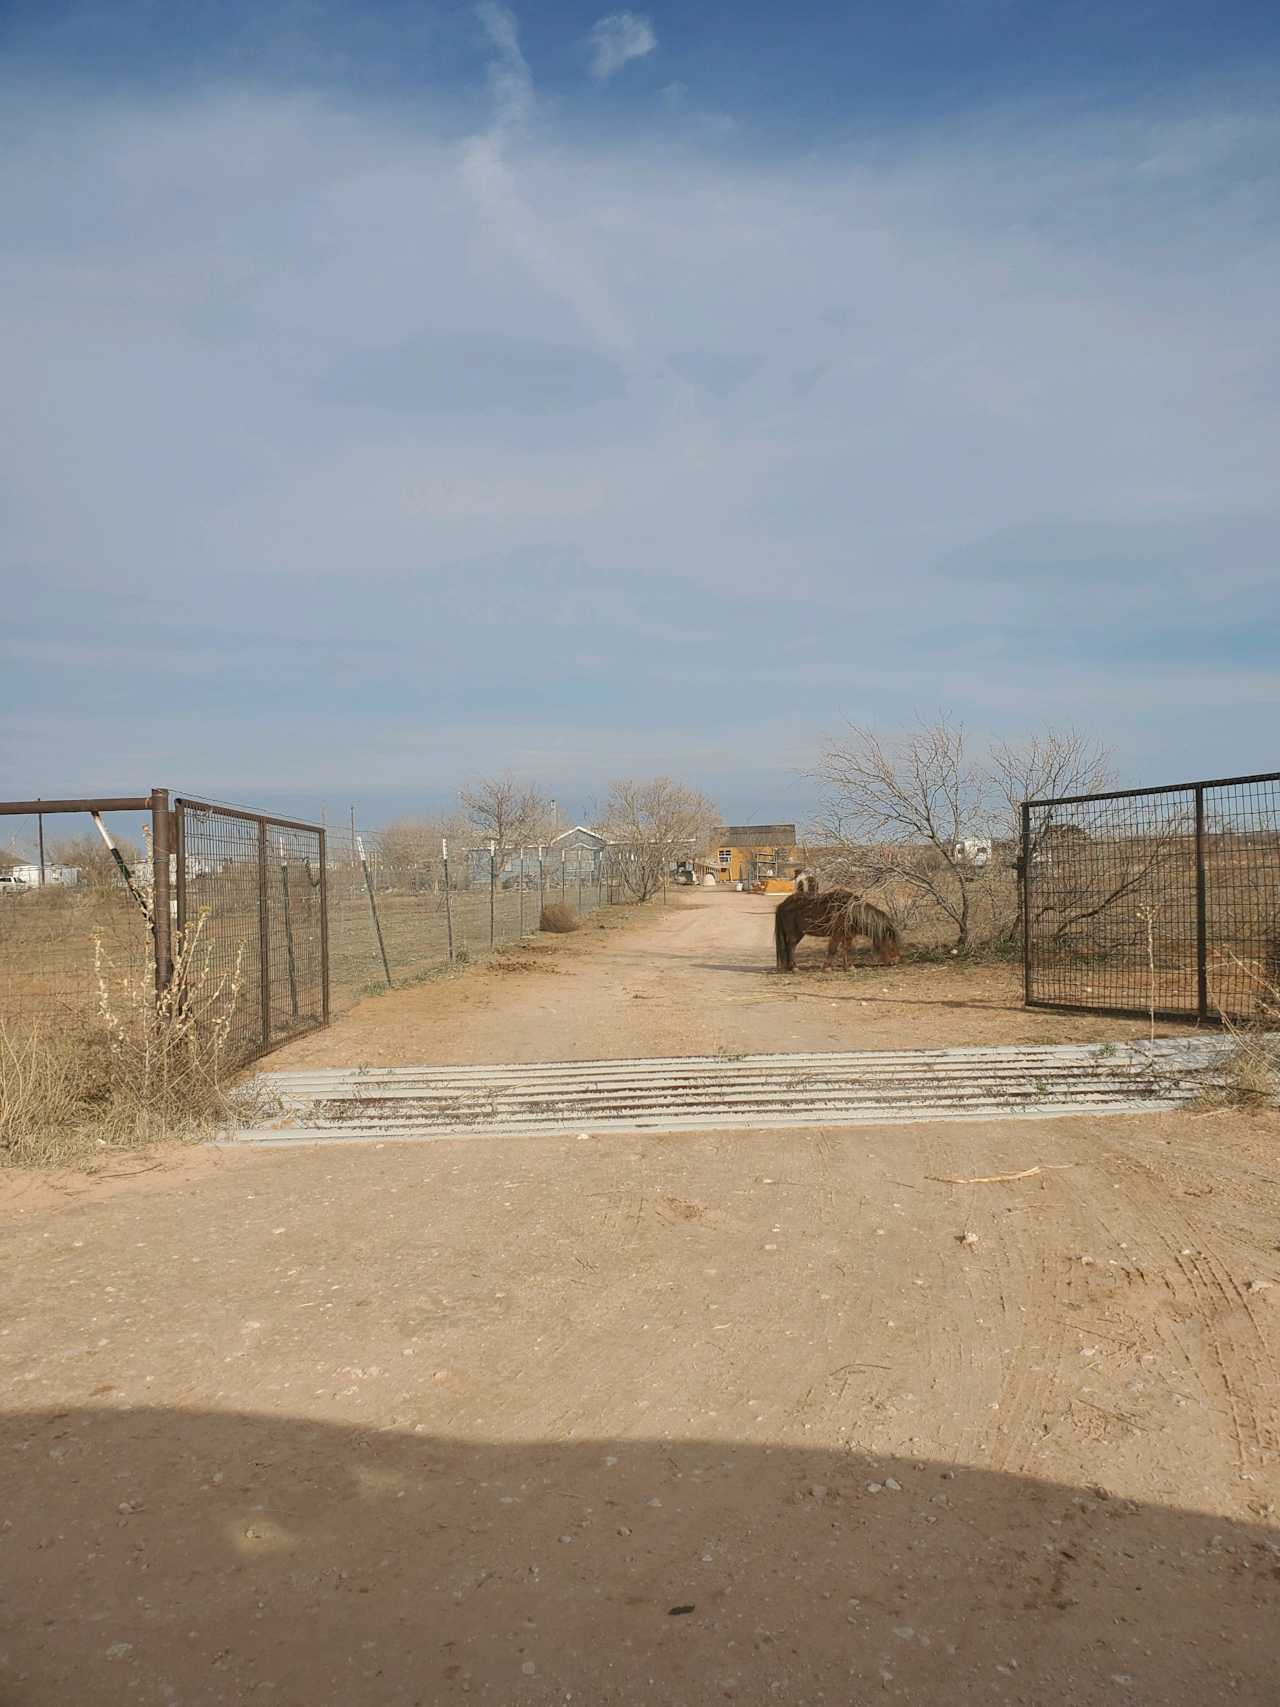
{"x":1248,"y":1076}
{"x":559,"y":918}
{"x":141,"y":1070}
{"x":91,"y":857}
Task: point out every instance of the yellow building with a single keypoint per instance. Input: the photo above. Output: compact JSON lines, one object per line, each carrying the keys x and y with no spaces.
{"x":752,"y":853}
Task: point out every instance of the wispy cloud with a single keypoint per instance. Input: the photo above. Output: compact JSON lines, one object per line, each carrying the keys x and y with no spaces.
{"x":509,"y":75}
{"x":616,"y":40}
{"x":490,"y":175}
{"x":355,"y":423}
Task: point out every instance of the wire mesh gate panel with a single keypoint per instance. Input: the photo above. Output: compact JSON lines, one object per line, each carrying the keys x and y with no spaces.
{"x":69,"y":926}
{"x":1163,"y":899}
{"x":255,"y":888}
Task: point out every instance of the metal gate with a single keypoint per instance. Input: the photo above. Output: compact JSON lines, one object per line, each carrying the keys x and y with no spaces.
{"x":1161,"y":901}
{"x":259,"y":885}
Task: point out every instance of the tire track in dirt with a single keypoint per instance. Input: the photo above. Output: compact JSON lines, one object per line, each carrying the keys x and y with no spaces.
{"x":1227,"y":1352}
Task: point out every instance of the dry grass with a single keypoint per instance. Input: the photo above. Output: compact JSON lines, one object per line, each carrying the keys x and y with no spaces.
{"x":140,"y":1071}
{"x":1248,"y":1077}
{"x":559,"y":918}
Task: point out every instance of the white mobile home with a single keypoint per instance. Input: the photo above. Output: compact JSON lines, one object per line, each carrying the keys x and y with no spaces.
{"x":55,"y":876}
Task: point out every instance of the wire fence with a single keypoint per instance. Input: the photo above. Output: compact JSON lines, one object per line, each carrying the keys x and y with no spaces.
{"x":256,"y":886}
{"x":291,"y":920}
{"x":393,"y":921}
{"x":235,"y":900}
{"x":1155,"y":900}
{"x":67,"y":929}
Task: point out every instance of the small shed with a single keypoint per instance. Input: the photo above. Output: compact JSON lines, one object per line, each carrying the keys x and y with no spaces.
{"x":752,"y":853}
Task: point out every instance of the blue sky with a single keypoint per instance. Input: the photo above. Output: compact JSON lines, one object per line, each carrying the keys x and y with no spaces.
{"x":401,"y":393}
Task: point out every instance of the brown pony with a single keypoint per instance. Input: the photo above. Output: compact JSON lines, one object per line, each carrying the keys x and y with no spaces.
{"x":840,"y":916}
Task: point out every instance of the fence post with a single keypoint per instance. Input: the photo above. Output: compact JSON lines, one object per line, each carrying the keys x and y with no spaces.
{"x":1202,"y":923}
{"x":448,"y":906}
{"x":493,"y":886}
{"x":562,"y":876}
{"x":161,"y":917}
{"x":40,"y":833}
{"x":324,"y":925}
{"x":542,"y":883}
{"x":1024,"y":885}
{"x":520,"y":880}
{"x":264,"y":935}
{"x":579,"y":881}
{"x":373,"y":908}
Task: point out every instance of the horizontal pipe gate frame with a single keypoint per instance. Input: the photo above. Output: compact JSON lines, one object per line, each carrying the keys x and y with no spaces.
{"x":262,"y":884}
{"x":1161,"y":901}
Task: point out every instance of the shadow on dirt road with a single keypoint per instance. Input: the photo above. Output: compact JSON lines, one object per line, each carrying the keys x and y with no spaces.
{"x":162,"y":1556}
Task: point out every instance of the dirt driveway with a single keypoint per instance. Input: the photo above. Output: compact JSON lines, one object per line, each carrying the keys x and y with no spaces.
{"x":742,"y":1417}
{"x":692,"y":978}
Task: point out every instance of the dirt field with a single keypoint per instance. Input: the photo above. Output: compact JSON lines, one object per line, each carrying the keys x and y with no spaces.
{"x":691,"y":978}
{"x":759,"y":1418}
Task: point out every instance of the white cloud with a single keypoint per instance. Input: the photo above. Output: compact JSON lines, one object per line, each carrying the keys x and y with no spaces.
{"x":314,"y":392}
{"x":618,"y":39}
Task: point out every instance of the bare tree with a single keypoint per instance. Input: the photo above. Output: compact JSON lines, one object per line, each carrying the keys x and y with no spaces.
{"x":900,"y":806}
{"x":1044,"y":766}
{"x":90,"y":856}
{"x":506,"y":813}
{"x":409,"y":852}
{"x":655,"y":823}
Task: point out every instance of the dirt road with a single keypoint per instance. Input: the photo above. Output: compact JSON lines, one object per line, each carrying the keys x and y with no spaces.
{"x":693,"y":978}
{"x":748,"y":1417}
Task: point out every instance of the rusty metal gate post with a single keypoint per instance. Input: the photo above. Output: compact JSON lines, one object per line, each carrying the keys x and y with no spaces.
{"x":1024,"y":886}
{"x":323,"y":841}
{"x":264,"y":936}
{"x":161,"y":917}
{"x":1202,"y":923}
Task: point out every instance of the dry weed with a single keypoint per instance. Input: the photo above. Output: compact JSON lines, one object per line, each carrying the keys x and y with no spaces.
{"x":1248,"y":1076}
{"x":145,"y":1069}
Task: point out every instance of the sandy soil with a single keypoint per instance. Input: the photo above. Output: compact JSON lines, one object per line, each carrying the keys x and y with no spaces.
{"x":749,"y":1417}
{"x":693,"y":978}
